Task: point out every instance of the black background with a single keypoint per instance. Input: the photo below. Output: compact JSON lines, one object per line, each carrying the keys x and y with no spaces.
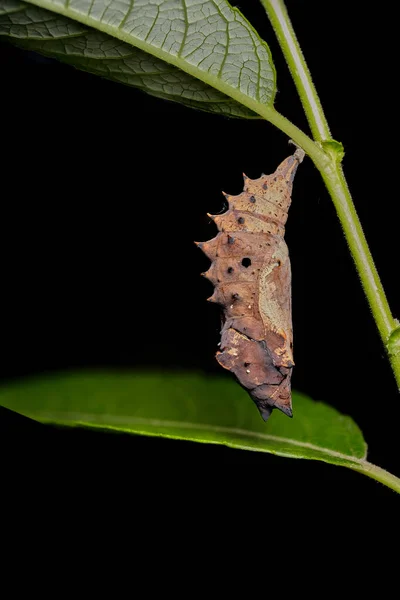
{"x":104,"y":190}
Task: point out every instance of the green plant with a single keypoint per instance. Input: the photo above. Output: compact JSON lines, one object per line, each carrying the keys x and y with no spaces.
{"x":171,"y":61}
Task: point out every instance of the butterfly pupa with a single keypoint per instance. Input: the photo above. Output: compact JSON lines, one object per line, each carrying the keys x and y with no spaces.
{"x":250,"y":269}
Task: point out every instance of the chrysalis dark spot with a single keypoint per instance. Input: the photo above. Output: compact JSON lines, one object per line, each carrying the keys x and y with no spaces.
{"x":246,"y":262}
{"x":246,"y":364}
{"x":241,"y":220}
{"x":235,"y":296}
{"x":252,"y":199}
{"x":230,"y":269}
{"x":265,"y":186}
{"x":230,"y":239}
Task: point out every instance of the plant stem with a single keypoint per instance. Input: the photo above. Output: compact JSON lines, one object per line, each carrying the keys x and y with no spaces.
{"x":337,"y":187}
{"x":334,"y":179}
{"x":370,"y":470}
{"x":277,"y":14}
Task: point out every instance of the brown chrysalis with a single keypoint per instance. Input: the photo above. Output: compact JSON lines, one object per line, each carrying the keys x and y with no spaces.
{"x":251,"y":273}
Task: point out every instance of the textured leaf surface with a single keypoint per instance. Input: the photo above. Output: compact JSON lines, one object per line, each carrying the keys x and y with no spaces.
{"x":192,"y":407}
{"x":203,"y":54}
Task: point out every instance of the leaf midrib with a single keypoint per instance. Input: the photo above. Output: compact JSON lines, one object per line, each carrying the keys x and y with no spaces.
{"x":203,"y":76}
{"x":88,"y":418}
{"x":356,"y":464}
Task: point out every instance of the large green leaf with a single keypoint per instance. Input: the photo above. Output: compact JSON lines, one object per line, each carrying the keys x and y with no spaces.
{"x":202,"y":53}
{"x":193,"y":407}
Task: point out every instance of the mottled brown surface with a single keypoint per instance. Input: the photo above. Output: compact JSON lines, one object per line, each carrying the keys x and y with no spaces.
{"x":251,"y":273}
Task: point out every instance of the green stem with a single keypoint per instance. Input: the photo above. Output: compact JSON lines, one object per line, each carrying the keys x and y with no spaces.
{"x":334,"y":179}
{"x":370,"y":470}
{"x":277,"y":14}
{"x":337,"y":187}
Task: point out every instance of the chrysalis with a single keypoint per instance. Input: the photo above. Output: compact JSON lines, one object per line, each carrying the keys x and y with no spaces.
{"x":251,"y":273}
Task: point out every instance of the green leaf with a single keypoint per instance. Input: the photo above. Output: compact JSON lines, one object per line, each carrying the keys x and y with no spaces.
{"x":201,"y":53}
{"x":193,"y":407}
{"x":394,"y":342}
{"x":393,"y":348}
{"x":334,"y":148}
